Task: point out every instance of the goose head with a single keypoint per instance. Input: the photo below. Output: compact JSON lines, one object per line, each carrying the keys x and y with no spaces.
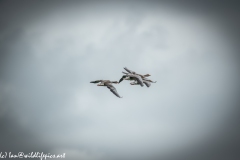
{"x":116,"y":82}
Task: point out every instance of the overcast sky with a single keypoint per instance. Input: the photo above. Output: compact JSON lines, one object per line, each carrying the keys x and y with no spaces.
{"x":50,"y":51}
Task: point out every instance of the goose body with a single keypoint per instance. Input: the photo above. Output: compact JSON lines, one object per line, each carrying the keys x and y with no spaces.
{"x":109,"y":85}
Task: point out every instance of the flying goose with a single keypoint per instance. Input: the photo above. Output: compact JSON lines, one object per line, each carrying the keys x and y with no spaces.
{"x":132,"y":77}
{"x":132,"y":72}
{"x":109,"y":85}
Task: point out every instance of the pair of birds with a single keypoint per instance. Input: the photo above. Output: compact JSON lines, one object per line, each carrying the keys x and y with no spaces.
{"x":131,"y":75}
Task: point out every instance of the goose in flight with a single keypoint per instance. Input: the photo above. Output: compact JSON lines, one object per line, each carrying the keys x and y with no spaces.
{"x":138,"y":78}
{"x":108,"y":84}
{"x":132,"y":72}
{"x":132,"y":77}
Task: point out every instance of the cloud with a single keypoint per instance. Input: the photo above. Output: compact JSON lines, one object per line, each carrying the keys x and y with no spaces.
{"x":47,"y":101}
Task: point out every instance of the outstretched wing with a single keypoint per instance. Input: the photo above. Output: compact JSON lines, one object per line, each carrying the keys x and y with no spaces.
{"x":112,"y":89}
{"x":147,"y":83}
{"x":138,"y":78}
{"x":129,"y":71}
{"x":97,"y":81}
{"x":122,"y":78}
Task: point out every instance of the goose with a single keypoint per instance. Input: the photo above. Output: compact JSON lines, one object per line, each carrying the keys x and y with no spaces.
{"x":138,"y":78}
{"x":108,"y":84}
{"x":132,"y":72}
{"x":132,"y":77}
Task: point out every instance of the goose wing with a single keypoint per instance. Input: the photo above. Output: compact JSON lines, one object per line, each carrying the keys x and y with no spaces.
{"x":138,"y":78}
{"x":97,"y":81}
{"x":129,"y":71}
{"x":112,"y":89}
{"x":124,"y":76}
{"x":147,"y":83}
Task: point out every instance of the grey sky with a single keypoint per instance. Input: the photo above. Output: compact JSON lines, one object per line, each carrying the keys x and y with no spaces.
{"x":50,"y":51}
